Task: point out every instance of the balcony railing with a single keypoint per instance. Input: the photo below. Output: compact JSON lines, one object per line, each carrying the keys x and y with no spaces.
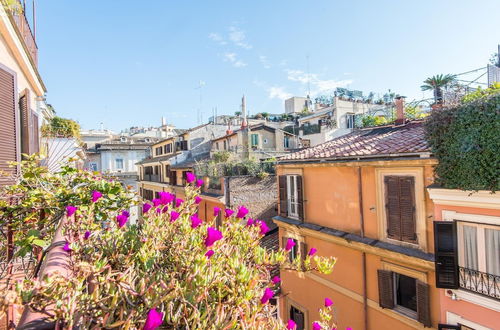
{"x":487,"y":285}
{"x":152,"y":177}
{"x":26,"y":33}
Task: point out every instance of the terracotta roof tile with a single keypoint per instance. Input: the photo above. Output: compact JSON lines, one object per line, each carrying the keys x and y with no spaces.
{"x":376,"y":141}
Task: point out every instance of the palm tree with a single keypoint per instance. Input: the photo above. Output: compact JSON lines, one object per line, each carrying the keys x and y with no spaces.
{"x":436,"y":83}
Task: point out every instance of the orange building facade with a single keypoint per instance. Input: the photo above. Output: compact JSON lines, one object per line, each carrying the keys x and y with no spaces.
{"x":362,"y":198}
{"x":467,"y":230}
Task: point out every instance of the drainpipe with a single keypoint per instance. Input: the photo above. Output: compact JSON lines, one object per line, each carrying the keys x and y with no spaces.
{"x":363,"y":254}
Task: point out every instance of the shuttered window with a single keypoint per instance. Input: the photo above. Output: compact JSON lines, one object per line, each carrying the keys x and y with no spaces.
{"x":283,"y":196}
{"x":400,"y":208}
{"x":294,"y":252}
{"x":298,"y":317}
{"x":445,"y":251}
{"x":291,"y":196}
{"x":405,"y":295}
{"x":25,"y":122}
{"x":35,"y":135}
{"x":255,"y":140}
{"x":8,"y":138}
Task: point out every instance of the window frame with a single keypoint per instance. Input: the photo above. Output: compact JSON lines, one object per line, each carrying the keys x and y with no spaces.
{"x":122,"y":164}
{"x":292,"y":203}
{"x":289,"y":303}
{"x":400,"y":308}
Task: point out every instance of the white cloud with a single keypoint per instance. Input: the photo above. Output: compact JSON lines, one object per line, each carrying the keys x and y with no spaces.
{"x":277,"y":92}
{"x":318,"y":85}
{"x":265,"y":62}
{"x":232,"y":58}
{"x":217,"y":38}
{"x":237,"y":36}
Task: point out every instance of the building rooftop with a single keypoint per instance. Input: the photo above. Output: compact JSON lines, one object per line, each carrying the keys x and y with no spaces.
{"x":386,"y":141}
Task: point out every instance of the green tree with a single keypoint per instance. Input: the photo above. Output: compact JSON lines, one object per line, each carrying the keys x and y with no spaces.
{"x":436,"y":84}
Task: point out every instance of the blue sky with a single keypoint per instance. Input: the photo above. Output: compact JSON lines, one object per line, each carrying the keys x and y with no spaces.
{"x":128,"y":63}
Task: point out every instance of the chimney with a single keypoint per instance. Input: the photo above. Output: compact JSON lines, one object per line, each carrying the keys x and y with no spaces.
{"x":229,"y":130}
{"x":399,"y":101}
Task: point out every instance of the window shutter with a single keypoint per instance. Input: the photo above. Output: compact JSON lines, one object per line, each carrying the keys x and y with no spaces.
{"x":385,"y":289}
{"x":25,"y":122}
{"x":8,"y":129}
{"x":299,"y":320}
{"x":407,"y":208}
{"x":300,"y":197}
{"x":303,"y":253}
{"x":392,"y":207}
{"x":442,"y":326}
{"x":283,"y":196}
{"x":445,"y":252}
{"x":423,"y":308}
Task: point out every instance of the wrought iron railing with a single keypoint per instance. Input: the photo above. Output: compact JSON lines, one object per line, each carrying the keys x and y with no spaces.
{"x":482,"y":283}
{"x":26,"y":33}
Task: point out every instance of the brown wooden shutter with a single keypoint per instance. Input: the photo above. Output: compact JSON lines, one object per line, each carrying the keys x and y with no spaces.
{"x":407,"y":208}
{"x":303,"y":253}
{"x":35,"y":135}
{"x":423,"y":307}
{"x":283,"y":196}
{"x":445,"y":254}
{"x":300,"y":197}
{"x":385,"y":288}
{"x":25,"y":122}
{"x":392,"y":207}
{"x":8,"y":131}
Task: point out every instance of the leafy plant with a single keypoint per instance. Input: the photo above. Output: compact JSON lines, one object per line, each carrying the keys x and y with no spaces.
{"x":61,"y":127}
{"x":436,"y":84}
{"x":370,"y":121}
{"x":482,"y":93}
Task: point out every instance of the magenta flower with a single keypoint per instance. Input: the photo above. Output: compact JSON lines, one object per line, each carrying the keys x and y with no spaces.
{"x":195,"y":221}
{"x":126,"y":213}
{"x":242,"y":212}
{"x":290,"y":243}
{"x":156,"y":202}
{"x":263,"y":227}
{"x":268,"y":294}
{"x":228,"y":212}
{"x":312,"y":251}
{"x":216,"y":211}
{"x":165,"y":197}
{"x":165,"y":209}
{"x":276,"y":280}
{"x":158,"y":210}
{"x":199,"y":183}
{"x":122,"y":220}
{"x":96,"y":195}
{"x":67,"y":248}
{"x":154,"y":320}
{"x":146,"y":207}
{"x":197,"y":200}
{"x":86,"y":235}
{"x":328,"y":302}
{"x":70,"y":210}
{"x":213,"y":235}
{"x":250,"y":222}
{"x":190,"y":177}
{"x":174,"y":216}
{"x":209,"y":254}
{"x":291,"y":325}
{"x":178,"y":202}
{"x":316,"y":326}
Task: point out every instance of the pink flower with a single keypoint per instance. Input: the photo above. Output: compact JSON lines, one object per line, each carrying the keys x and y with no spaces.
{"x":197,"y":200}
{"x":268,"y":294}
{"x":96,"y":195}
{"x":190,"y":177}
{"x":213,"y":235}
{"x":122,"y":220}
{"x":263,"y":227}
{"x":291,"y":325}
{"x":316,"y":326}
{"x":156,"y":202}
{"x":250,"y":222}
{"x":67,"y":248}
{"x":70,"y":210}
{"x":154,"y":320}
{"x":276,"y":280}
{"x":165,"y":197}
{"x":146,"y":207}
{"x":126,"y":213}
{"x":174,"y":216}
{"x":178,"y":202}
{"x":209,"y":254}
{"x":290,"y":243}
{"x":312,"y":251}
{"x":86,"y":235}
{"x":228,"y":212}
{"x":348,"y":328}
{"x":158,"y":210}
{"x":199,"y":183}
{"x":328,"y":302}
{"x":195,"y":221}
{"x":165,"y":209}
{"x":216,"y":211}
{"x":242,"y":212}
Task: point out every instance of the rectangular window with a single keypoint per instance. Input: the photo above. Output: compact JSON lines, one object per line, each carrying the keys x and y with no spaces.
{"x":291,"y":200}
{"x":217,"y":145}
{"x":119,"y":163}
{"x":349,"y":118}
{"x":225,"y":145}
{"x":400,"y":208}
{"x":479,"y":247}
{"x":292,"y":196}
{"x":255,"y":140}
{"x":286,"y":142}
{"x":405,"y":293}
{"x":159,"y":151}
{"x":298,"y":317}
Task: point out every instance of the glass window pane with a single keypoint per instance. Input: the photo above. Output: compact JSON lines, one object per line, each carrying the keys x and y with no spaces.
{"x":470,"y":247}
{"x":406,"y":291}
{"x":492,"y":240}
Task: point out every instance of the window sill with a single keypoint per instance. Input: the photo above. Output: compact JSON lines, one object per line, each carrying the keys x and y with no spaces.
{"x":406,"y":312}
{"x":403,"y":243}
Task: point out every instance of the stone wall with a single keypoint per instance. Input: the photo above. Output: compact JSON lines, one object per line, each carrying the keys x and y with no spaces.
{"x":260,"y":196}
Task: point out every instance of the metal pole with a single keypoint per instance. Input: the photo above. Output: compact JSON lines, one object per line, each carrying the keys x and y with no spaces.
{"x":34,"y":20}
